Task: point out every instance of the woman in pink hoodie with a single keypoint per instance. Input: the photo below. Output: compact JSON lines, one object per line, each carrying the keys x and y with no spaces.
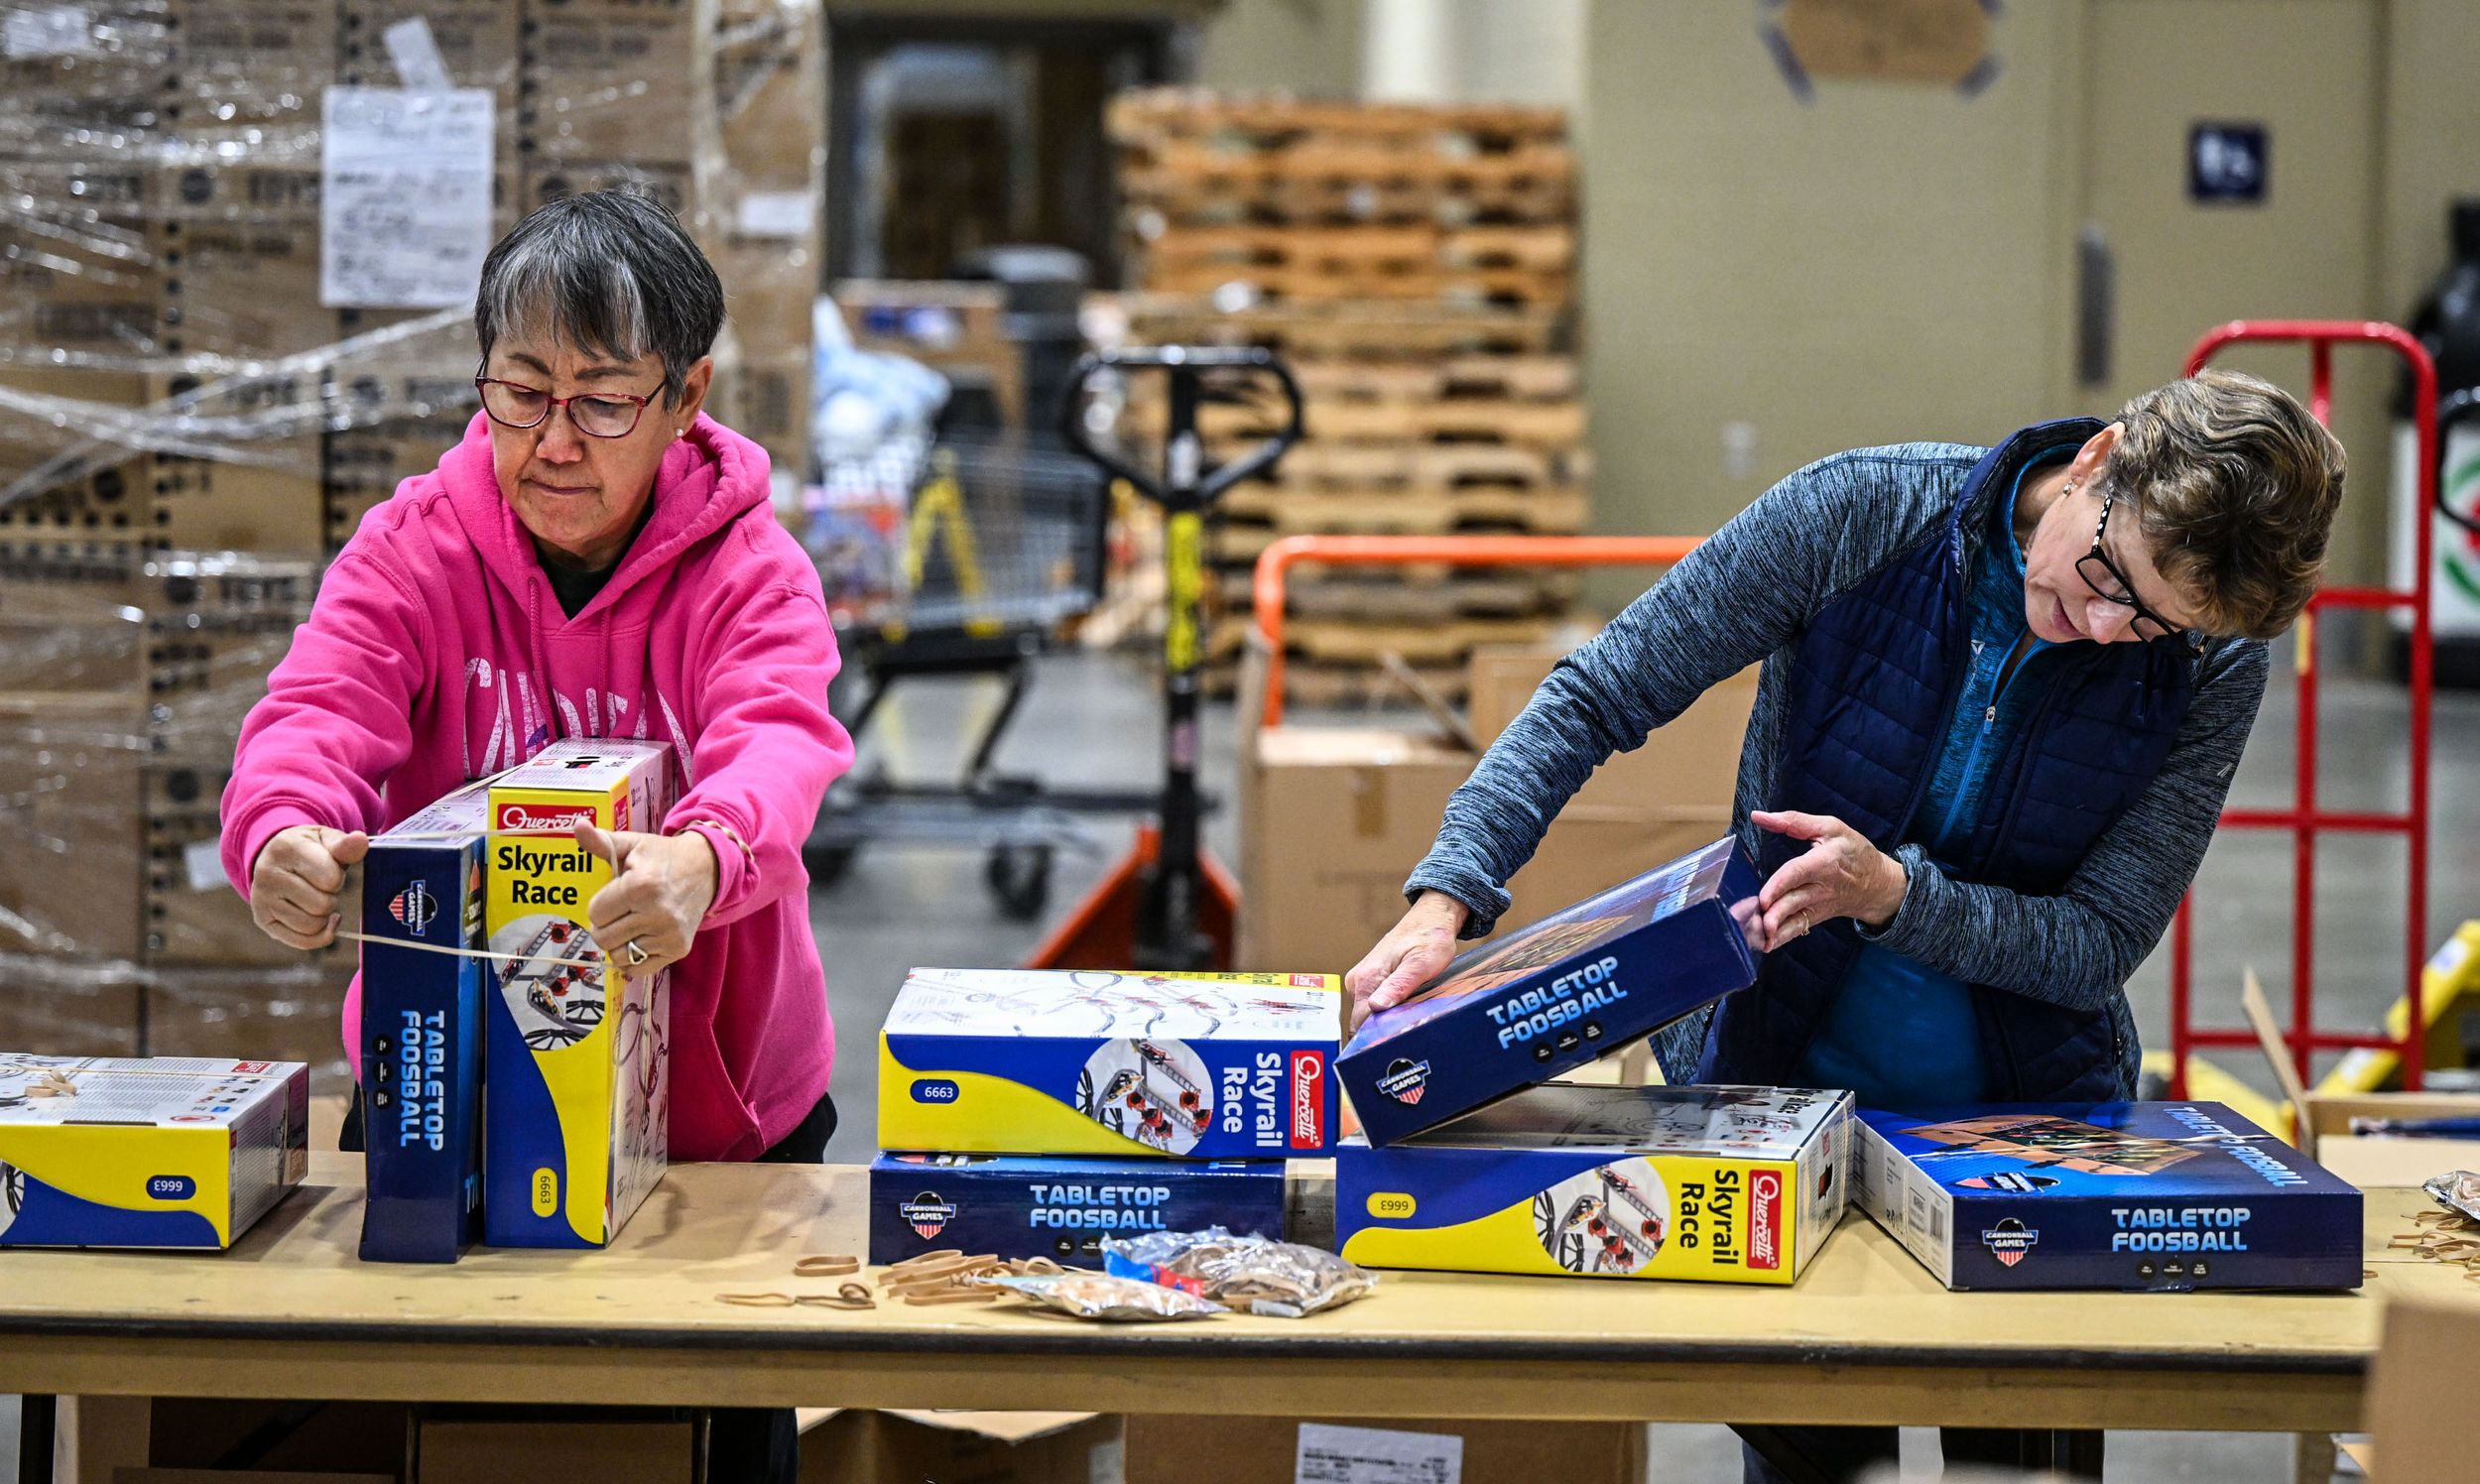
{"x":597,"y":558}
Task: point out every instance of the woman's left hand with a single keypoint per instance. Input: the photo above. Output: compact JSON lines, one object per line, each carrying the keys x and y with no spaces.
{"x":660,"y":890}
{"x":1841,"y":875}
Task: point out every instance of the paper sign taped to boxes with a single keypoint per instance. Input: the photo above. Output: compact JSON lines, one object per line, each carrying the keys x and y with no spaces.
{"x":404,"y":197}
{"x":1377,"y":1455}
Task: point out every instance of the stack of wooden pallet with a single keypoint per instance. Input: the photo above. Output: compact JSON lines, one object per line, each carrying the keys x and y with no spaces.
{"x":1414,"y":268}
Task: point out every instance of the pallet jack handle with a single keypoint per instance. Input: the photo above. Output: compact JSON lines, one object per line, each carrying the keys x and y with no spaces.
{"x":1202,"y":486}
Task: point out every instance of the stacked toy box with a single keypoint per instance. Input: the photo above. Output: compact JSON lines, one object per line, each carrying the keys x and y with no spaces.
{"x":1031,"y":1113}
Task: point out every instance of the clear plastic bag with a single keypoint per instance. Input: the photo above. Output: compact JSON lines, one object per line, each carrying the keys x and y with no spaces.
{"x":2457,"y":1190}
{"x":1096,"y":1295}
{"x":1285,"y":1280}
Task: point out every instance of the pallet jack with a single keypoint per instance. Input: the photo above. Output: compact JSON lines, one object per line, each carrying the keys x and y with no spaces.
{"x":1169,"y":905}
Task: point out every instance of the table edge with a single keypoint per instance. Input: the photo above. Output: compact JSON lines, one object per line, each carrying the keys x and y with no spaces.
{"x":1196,"y":1342}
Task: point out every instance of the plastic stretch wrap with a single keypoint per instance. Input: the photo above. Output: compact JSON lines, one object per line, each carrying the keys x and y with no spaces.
{"x":225,"y":336}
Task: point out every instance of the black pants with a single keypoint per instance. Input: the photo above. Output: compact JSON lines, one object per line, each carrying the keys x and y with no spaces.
{"x":744,"y":1444}
{"x":1833,"y":1455}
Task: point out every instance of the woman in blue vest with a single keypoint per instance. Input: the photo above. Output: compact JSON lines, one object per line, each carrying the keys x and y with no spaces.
{"x":2003,"y":692}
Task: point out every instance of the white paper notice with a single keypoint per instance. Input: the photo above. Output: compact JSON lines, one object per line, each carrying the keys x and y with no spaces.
{"x":415,"y":53}
{"x":405,"y":197}
{"x":775,"y":213}
{"x":202,"y":861}
{"x":1375,"y":1456}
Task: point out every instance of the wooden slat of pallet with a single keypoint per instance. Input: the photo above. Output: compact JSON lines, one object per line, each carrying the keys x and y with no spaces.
{"x":1311,"y":685}
{"x":1360,"y":281}
{"x":1156,"y":112}
{"x":1187,"y":164}
{"x":1343,"y":641}
{"x":1457,"y":595}
{"x":1558,"y":511}
{"x":1528,"y":378}
{"x":1318,"y":461}
{"x":1347,"y":202}
{"x":1394,"y":332}
{"x":1450,"y":422}
{"x":1547,"y":248}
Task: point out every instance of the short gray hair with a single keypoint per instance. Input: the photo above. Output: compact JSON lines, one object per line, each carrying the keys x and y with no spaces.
{"x":606,"y":271}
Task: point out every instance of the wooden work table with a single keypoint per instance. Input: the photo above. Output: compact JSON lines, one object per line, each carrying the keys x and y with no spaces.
{"x":1864,"y":1336}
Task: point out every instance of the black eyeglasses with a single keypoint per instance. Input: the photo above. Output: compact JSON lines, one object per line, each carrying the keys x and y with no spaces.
{"x":2102,"y":576}
{"x":602,"y":414}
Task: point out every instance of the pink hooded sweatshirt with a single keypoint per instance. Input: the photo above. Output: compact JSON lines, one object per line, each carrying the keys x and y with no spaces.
{"x":438,"y":653}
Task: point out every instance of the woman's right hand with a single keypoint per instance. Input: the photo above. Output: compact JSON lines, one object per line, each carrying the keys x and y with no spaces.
{"x":294,"y":885}
{"x":1411,"y":954}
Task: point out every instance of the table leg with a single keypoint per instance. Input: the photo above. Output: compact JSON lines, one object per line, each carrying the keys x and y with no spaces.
{"x":37,"y":1426}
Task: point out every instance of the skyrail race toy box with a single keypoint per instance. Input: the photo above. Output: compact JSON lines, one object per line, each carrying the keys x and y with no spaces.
{"x":155,"y":1152}
{"x":1202,"y":1066}
{"x":1573,"y":986}
{"x":1059,"y":1208}
{"x":1727,"y":1184}
{"x":573,"y":1127}
{"x":2114,"y":1196}
{"x":421,"y":1033}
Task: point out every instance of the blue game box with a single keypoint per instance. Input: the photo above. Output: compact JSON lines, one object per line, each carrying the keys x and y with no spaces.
{"x":2167,"y":1196}
{"x":1573,"y":987}
{"x":1059,"y":1208}
{"x":421,"y":1033}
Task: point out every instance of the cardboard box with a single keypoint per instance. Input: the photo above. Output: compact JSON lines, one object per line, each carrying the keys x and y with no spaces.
{"x":282,"y":1435}
{"x":2329,"y":1126}
{"x":668,"y":179}
{"x":237,"y":246}
{"x":77,"y":1012}
{"x":243,"y":63}
{"x":1334,"y":819}
{"x":253,"y":1014}
{"x":421,"y":1033}
{"x":1166,"y":1449}
{"x":2153,"y":1197}
{"x":192,"y":917}
{"x":985,"y":1447}
{"x":1060,"y":1208}
{"x":1202,"y":1066}
{"x":574,"y":1128}
{"x":957,"y":330}
{"x":1728,"y":1184}
{"x":146,"y":1152}
{"x":610,"y":79}
{"x":2419,"y":1394}
{"x":453,"y":1449}
{"x":71,"y":838}
{"x":1576,"y":986}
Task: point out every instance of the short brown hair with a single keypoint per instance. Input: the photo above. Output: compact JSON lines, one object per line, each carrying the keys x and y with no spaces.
{"x":2235,"y":486}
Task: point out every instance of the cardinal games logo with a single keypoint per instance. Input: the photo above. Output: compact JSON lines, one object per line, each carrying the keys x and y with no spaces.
{"x":926,"y":1214}
{"x":1765,"y":1219}
{"x":414,"y":908}
{"x":1405,"y":1082}
{"x":538,"y":816}
{"x":2010,"y":1241}
{"x":1308,"y":1100}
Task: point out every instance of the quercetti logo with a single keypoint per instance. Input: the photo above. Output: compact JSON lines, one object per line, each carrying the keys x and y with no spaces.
{"x":414,"y":908}
{"x":926,"y":1214}
{"x":1405,"y":1082}
{"x":2010,"y":1241}
{"x":1309,"y":981}
{"x":543,"y":816}
{"x":1308,"y":1100}
{"x":1765,"y":1220}
{"x":252,"y":1067}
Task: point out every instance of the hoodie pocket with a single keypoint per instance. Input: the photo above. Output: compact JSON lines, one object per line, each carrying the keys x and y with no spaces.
{"x":710,"y":1119}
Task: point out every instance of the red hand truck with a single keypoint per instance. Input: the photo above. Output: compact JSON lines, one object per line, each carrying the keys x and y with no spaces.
{"x":2304,"y":820}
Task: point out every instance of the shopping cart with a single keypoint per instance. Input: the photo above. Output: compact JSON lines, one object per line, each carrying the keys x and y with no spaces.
{"x":955,"y":558}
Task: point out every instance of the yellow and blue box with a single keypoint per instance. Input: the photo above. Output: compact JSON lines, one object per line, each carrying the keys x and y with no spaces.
{"x":422,"y":1032}
{"x":1060,"y":1208}
{"x":146,"y":1152}
{"x":574,"y":1120}
{"x":2151,"y":1196}
{"x":1725,"y":1185}
{"x":1575,"y":986}
{"x":1030,"y":1061}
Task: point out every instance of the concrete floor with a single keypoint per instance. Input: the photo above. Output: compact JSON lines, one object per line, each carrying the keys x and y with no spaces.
{"x":1092,"y":720}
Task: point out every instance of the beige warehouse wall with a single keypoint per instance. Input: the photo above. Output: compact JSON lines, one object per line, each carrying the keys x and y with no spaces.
{"x":1311,"y":46}
{"x":1790,"y":279}
{"x":2433,"y":139}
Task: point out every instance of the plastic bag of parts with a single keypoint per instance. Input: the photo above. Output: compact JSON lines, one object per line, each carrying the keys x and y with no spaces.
{"x":1286,"y":1280}
{"x":1093,"y":1296}
{"x":2457,"y":1190}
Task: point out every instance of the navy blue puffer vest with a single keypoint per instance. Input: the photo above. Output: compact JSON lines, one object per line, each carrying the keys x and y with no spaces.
{"x":1871,"y":685}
